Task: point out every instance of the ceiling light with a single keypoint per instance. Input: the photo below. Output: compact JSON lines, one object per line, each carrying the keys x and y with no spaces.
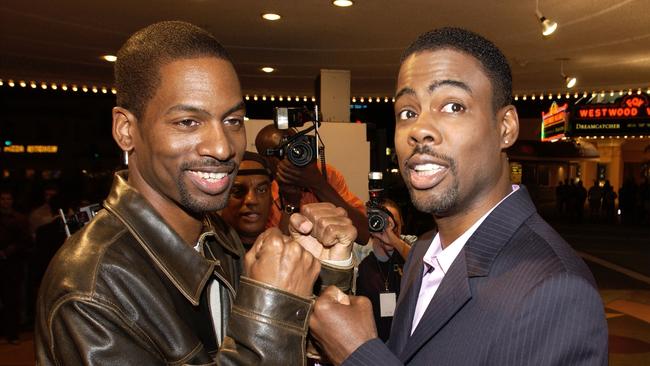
{"x":569,"y":81}
{"x":343,"y":3}
{"x":109,"y":58}
{"x":548,"y":26}
{"x":271,"y":16}
{"x":267,"y":69}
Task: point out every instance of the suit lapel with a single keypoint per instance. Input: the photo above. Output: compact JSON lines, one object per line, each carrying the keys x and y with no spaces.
{"x":411,"y":282}
{"x":450,"y":297}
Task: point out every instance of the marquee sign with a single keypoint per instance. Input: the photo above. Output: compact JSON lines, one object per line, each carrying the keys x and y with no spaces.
{"x":554,"y":122}
{"x":631,"y":116}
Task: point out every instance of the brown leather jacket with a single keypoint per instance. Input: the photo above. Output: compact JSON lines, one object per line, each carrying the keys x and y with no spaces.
{"x":126,"y":290}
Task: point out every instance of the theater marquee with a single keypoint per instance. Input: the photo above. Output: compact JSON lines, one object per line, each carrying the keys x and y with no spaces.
{"x":630,"y":116}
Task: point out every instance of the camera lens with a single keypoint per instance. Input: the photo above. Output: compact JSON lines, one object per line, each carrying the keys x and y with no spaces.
{"x":300,"y":153}
{"x":376,"y":221}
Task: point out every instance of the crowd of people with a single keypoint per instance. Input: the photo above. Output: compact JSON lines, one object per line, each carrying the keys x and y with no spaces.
{"x":630,"y":206}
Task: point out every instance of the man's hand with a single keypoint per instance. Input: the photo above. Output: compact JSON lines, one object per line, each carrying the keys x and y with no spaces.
{"x":309,"y":176}
{"x":341,"y":323}
{"x":281,"y":262}
{"x":324,"y":230}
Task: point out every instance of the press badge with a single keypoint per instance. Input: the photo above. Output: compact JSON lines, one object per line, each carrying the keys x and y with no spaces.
{"x":387,"y":302}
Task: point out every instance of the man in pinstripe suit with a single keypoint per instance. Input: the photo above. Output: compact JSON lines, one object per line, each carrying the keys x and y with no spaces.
{"x":496,"y":285}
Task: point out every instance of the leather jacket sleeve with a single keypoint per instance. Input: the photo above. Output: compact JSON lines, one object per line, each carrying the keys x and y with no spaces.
{"x":340,"y":277}
{"x":267,"y":326}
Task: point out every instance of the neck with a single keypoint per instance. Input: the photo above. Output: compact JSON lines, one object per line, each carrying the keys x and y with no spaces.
{"x":453,"y":226}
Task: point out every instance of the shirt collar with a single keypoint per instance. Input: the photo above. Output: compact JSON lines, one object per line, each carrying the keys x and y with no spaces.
{"x":442,"y":259}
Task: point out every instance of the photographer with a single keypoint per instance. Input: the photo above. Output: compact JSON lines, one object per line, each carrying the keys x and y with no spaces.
{"x":296,"y":186}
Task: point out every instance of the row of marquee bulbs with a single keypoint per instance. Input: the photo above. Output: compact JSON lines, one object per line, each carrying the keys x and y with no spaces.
{"x":55,"y":86}
{"x":106,"y":90}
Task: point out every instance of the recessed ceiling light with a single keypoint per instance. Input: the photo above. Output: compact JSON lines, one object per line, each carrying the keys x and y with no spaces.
{"x":267,"y":69}
{"x":110,"y":58}
{"x":271,"y":16}
{"x":343,"y":3}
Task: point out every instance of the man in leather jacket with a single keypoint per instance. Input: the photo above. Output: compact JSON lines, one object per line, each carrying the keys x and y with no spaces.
{"x":156,"y":279}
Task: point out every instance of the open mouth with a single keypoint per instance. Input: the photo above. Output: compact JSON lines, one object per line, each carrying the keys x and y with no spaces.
{"x":423,"y":173}
{"x":211,"y":183}
{"x":251,"y":216}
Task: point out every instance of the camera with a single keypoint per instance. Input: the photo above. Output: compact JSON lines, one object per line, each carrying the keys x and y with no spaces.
{"x":301,"y":149}
{"x":378,"y":215}
{"x":285,"y":117}
{"x":79,"y":218}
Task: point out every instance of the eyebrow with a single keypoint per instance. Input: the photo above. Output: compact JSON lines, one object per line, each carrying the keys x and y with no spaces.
{"x":435,"y":85}
{"x":193,"y":109}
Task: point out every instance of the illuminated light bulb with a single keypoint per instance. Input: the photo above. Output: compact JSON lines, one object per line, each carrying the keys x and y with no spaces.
{"x":43,"y":86}
{"x":288,"y":98}
{"x":271,"y":16}
{"x":255,"y":97}
{"x":2,"y":82}
{"x":53,"y":86}
{"x":84,"y":89}
{"x":567,"y":95}
{"x":559,"y":96}
{"x":313,"y":99}
{"x":611,"y":93}
{"x":584,"y":95}
{"x":104,"y":90}
{"x":532,"y":97}
{"x":267,"y":69}
{"x":95,"y":90}
{"x":541,"y":97}
{"x":629,"y":92}
{"x":361,"y":99}
{"x":620,"y":92}
{"x":575,"y":95}
{"x":272,"y":98}
{"x":280,"y":98}
{"x":74,"y":88}
{"x":109,"y":58}
{"x":113,"y":90}
{"x":525,"y":97}
{"x":22,"y":84}
{"x":516,"y":97}
{"x":33,"y":84}
{"x":297,"y":98}
{"x":11,"y":83}
{"x":369,"y":99}
{"x":304,"y":98}
{"x":343,"y":3}
{"x":264,"y":98}
{"x":638,"y":91}
{"x":247,"y":97}
{"x":64,"y":87}
{"x":385,"y":99}
{"x":393,"y":99}
{"x":354,"y":99}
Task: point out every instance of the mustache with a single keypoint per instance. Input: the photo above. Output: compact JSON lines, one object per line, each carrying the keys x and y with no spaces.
{"x":427,"y":150}
{"x":208,"y":162}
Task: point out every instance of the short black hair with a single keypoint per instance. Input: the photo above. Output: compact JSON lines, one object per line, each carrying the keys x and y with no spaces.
{"x":495,"y":64}
{"x":137,"y":69}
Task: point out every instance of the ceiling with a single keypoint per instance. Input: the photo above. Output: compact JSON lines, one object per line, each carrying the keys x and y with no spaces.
{"x":607,"y":42}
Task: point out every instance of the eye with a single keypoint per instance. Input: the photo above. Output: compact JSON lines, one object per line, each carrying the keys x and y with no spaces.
{"x":452,"y":108}
{"x":406,"y":114}
{"x":233,"y":122}
{"x":263,"y":188}
{"x":188,"y":123}
{"x":238,"y":191}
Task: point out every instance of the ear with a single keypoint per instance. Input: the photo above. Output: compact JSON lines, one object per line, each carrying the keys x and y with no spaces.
{"x":508,"y":125}
{"x":124,"y":128}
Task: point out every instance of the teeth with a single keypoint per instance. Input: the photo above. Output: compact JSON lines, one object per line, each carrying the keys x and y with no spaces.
{"x":210,"y":176}
{"x":427,"y":167}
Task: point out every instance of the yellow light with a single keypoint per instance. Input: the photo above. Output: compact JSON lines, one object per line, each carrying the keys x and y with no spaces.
{"x":575,"y":95}
{"x":297,"y":98}
{"x":109,"y":58}
{"x":369,"y":99}
{"x":288,"y":98}
{"x":532,"y":97}
{"x":385,"y":99}
{"x":33,"y":84}
{"x":354,"y":99}
{"x":1,"y":82}
{"x":304,"y":98}
{"x":267,"y":69}
{"x":280,"y":98}
{"x":11,"y":83}
{"x":313,"y":99}
{"x":629,"y":92}
{"x":264,"y":98}
{"x":620,"y":92}
{"x":104,"y":90}
{"x":388,"y":151}
{"x":516,"y":97}
{"x":271,"y":16}
{"x":43,"y":86}
{"x":113,"y":90}
{"x":247,"y":97}
{"x":393,"y":100}
{"x":611,"y":93}
{"x":361,"y":100}
{"x":343,"y":3}
{"x":525,"y":97}
{"x":272,"y":98}
{"x":22,"y":84}
{"x":53,"y":86}
{"x":638,"y":91}
{"x":74,"y":87}
{"x":95,"y":90}
{"x":567,"y":95}
{"x":255,"y":97}
{"x":64,"y":87}
{"x":85,"y":89}
{"x":541,"y":97}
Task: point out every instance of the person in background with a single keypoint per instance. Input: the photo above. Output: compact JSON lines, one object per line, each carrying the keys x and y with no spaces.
{"x":249,"y":203}
{"x":495,"y":285}
{"x":380,"y":273}
{"x":14,"y":242}
{"x":42,"y":214}
{"x":296,"y":186}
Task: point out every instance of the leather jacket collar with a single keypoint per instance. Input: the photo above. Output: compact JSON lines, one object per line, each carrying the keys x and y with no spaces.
{"x":186,"y":268}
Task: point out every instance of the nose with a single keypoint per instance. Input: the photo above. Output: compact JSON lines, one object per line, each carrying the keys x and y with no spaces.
{"x":216,"y":142}
{"x":251,"y":198}
{"x":424,"y":130}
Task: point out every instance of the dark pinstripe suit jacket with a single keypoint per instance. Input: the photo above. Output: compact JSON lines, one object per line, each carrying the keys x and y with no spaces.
{"x":517,"y":294}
